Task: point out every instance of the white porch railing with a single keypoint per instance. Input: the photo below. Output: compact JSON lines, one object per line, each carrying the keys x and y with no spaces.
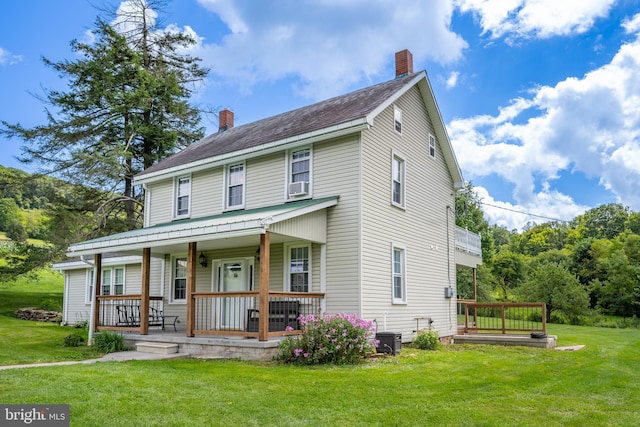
{"x":468,"y":242}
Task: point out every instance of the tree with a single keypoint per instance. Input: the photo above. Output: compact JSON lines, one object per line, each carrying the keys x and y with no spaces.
{"x":560,"y":290}
{"x":509,"y":271}
{"x":603,"y":222}
{"x":127,"y":107}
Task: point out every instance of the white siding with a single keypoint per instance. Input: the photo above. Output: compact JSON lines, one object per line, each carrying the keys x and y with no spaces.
{"x":420,"y":227}
{"x":265,"y":181}
{"x":336,"y":171}
{"x":76,"y":307}
{"x":207,"y":192}
{"x":161,"y":195}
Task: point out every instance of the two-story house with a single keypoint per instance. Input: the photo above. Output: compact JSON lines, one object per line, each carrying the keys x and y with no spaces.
{"x":345,"y":205}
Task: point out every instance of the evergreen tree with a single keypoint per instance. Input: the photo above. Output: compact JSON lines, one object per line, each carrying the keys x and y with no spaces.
{"x":126,"y":107}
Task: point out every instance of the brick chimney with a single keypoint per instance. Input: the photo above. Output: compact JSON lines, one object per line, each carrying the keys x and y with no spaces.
{"x":404,"y":63}
{"x":225,"y":120}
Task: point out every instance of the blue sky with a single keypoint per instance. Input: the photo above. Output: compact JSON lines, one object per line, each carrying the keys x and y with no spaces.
{"x":541,"y":98}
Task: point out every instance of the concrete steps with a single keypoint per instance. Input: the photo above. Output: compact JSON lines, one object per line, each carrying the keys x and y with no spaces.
{"x":157,"y":347}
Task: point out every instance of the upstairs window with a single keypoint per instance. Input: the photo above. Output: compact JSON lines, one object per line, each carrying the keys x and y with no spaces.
{"x":235,"y":186}
{"x":397,"y":181}
{"x":183,"y":197}
{"x":397,"y":120}
{"x":299,"y":172}
{"x":432,"y":146}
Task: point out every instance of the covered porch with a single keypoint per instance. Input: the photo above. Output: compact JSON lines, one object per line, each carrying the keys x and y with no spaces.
{"x":259,"y":310}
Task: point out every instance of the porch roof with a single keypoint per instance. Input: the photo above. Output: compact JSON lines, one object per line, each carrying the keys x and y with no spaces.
{"x":171,"y":237}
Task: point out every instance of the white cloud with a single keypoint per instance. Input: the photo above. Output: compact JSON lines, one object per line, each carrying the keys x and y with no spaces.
{"x":8,"y":58}
{"x":535,"y":18}
{"x":547,"y":206}
{"x":326,"y":45}
{"x":452,"y":81}
{"x":589,"y":125}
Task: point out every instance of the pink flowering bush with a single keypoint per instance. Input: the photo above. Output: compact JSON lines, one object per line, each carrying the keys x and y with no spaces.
{"x":339,"y":339}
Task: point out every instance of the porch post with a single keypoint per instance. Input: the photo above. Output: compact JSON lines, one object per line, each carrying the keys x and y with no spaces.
{"x":97,"y":290}
{"x":191,"y":288}
{"x":144,"y":297}
{"x":475,"y":289}
{"x":263,"y":303}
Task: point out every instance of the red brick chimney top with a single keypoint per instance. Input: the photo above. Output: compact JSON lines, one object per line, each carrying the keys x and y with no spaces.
{"x":225,"y":120}
{"x":404,"y":63}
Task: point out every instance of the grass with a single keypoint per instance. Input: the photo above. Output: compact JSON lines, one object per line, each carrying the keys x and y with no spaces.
{"x":32,"y":342}
{"x":455,"y":386}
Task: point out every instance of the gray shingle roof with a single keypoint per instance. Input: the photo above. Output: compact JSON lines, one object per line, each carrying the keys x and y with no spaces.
{"x":324,"y":114}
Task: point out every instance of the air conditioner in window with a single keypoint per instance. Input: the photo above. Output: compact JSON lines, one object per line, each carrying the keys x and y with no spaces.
{"x":298,"y":188}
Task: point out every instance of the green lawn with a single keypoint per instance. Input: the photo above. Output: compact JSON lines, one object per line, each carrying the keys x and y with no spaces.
{"x":455,"y":386}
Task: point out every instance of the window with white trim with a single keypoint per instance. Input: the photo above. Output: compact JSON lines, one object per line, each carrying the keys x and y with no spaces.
{"x":397,"y":180}
{"x":179,"y":280}
{"x":182,"y":197}
{"x":235,"y":186}
{"x":397,"y":119}
{"x":112,"y":281}
{"x":432,"y":146}
{"x":299,"y":180}
{"x":89,"y":294}
{"x":399,"y":274}
{"x":298,"y":258}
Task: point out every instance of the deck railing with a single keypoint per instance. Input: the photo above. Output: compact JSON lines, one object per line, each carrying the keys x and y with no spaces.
{"x":122,"y":312}
{"x":468,"y":241}
{"x":502,"y":318}
{"x":237,"y":314}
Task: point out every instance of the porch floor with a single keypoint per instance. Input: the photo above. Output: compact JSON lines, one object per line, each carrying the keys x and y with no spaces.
{"x":210,"y":347}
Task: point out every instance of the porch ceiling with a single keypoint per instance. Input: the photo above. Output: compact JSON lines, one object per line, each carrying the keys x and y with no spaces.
{"x":230,"y":229}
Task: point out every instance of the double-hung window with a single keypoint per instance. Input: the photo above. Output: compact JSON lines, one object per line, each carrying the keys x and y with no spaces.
{"x":112,"y":281}
{"x":90,"y":277}
{"x":299,"y":172}
{"x":399,"y":274}
{"x":235,"y":186}
{"x":397,"y":120}
{"x":432,"y":146}
{"x":299,"y":268}
{"x":182,"y":197}
{"x":397,"y":180}
{"x":179,"y":284}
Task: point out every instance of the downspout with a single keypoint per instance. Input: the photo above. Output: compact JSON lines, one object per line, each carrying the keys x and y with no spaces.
{"x":93,"y":299}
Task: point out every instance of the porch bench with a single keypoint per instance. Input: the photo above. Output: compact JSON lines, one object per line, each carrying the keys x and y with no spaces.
{"x":281,"y":315}
{"x":129,"y":315}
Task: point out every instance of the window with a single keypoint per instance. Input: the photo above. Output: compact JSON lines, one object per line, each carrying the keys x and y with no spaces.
{"x":397,"y":181}
{"x":89,"y":295}
{"x":432,"y":146}
{"x":112,"y":281}
{"x":183,"y":197}
{"x":179,"y":279}
{"x":299,"y":172}
{"x":235,"y":186}
{"x":299,"y":268}
{"x":397,"y":120}
{"x":399,"y":280}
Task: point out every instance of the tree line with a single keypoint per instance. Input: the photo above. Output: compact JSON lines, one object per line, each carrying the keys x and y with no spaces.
{"x":582,"y":268}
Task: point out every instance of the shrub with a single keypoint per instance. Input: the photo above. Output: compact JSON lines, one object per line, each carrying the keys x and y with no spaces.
{"x":338,"y":339}
{"x":427,"y":340}
{"x":82,"y":324}
{"x":109,"y":342}
{"x":74,"y":340}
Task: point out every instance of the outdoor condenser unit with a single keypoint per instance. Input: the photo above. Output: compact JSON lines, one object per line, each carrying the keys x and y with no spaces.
{"x":389,"y":342}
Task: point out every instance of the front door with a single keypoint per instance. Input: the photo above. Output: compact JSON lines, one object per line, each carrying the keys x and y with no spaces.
{"x":232,"y":275}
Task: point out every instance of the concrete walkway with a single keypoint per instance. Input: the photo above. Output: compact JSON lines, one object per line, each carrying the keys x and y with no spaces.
{"x":121,"y":356}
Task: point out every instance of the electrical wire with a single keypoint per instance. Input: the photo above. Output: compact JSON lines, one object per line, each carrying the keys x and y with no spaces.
{"x":524,"y":213}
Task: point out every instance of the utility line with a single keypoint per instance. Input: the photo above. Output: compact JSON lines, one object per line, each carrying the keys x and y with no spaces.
{"x":524,"y":213}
